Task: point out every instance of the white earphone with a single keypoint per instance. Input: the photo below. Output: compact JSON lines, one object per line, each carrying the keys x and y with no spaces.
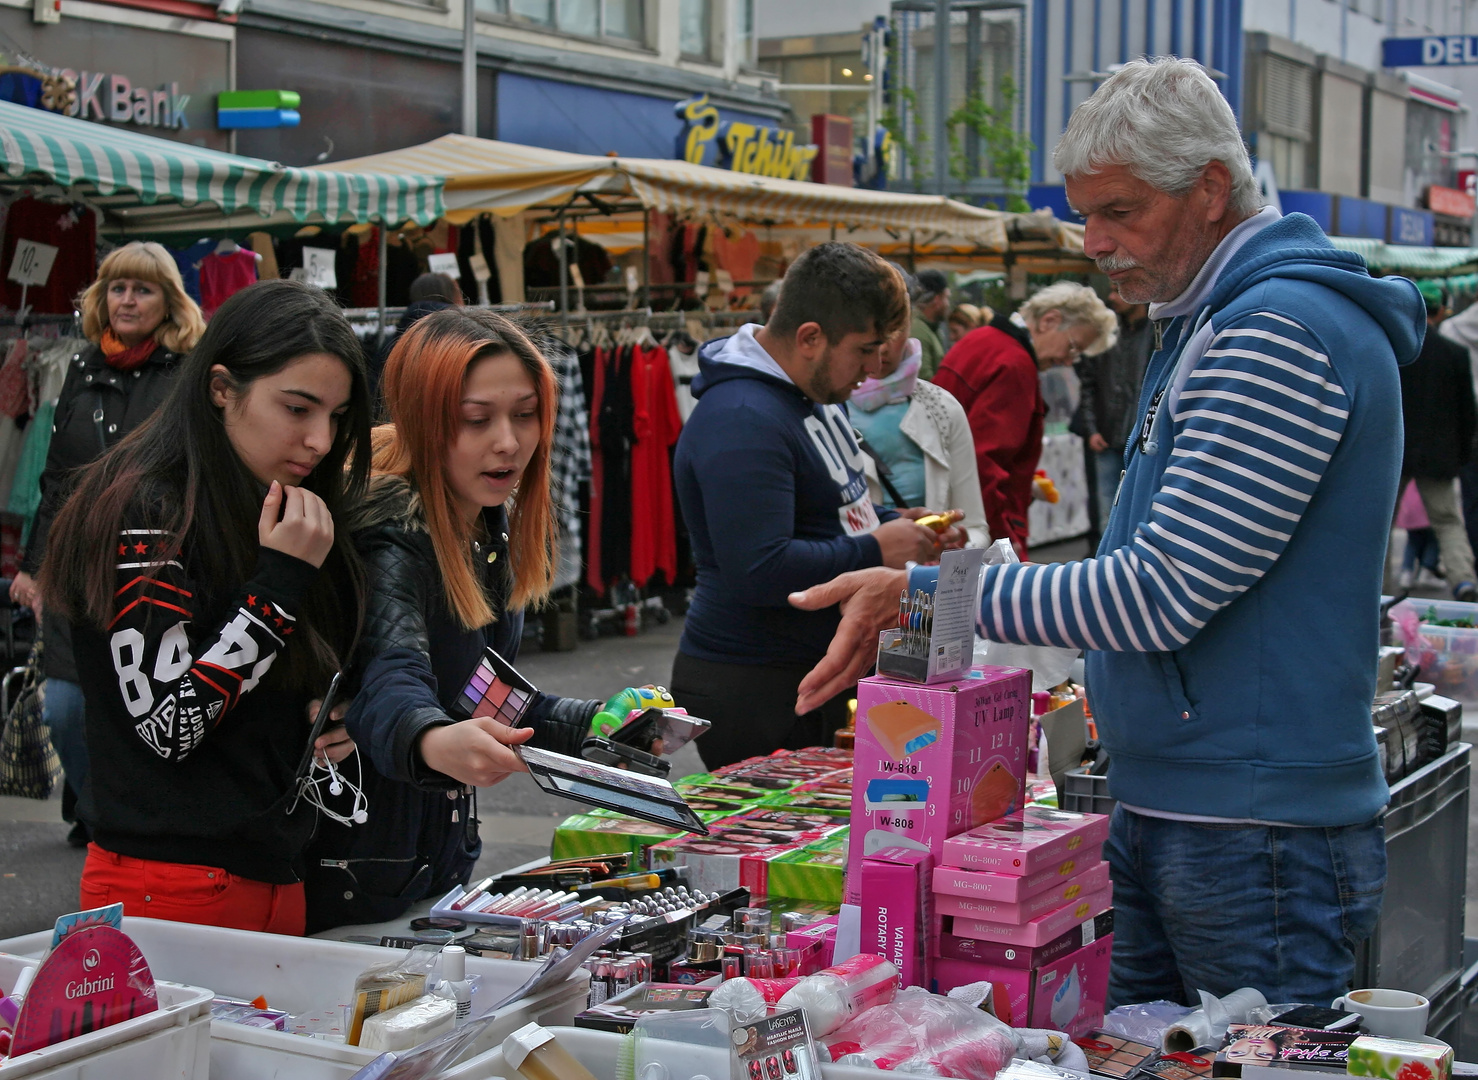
{"x":336,"y":784}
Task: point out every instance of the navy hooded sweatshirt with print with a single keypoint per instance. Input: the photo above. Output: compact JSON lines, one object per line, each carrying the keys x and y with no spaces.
{"x":773,"y":491}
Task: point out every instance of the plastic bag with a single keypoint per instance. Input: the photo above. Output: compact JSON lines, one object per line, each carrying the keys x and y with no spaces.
{"x":1050,"y":665}
{"x":1146,"y":1023}
{"x":924,"y":1034}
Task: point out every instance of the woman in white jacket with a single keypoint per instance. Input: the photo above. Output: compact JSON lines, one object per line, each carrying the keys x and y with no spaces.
{"x":921,"y":437}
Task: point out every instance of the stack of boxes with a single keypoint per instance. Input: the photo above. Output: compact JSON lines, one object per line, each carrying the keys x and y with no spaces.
{"x":958,"y":879}
{"x":1026,"y":905}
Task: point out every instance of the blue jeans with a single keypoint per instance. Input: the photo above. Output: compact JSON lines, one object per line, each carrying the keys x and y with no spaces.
{"x":1217,"y":907}
{"x":63,"y":709}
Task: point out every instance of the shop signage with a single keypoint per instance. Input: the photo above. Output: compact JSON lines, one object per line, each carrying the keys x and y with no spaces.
{"x":114,"y":98}
{"x":747,"y":148}
{"x":258,"y":109}
{"x":833,"y":137}
{"x":1449,"y":201}
{"x":1450,"y":50}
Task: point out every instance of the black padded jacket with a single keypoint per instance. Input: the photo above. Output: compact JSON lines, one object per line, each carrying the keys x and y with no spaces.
{"x":98,"y":406}
{"x":412,"y":662}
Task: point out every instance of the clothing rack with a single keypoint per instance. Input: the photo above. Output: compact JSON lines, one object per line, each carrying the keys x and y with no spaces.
{"x":373,"y":314}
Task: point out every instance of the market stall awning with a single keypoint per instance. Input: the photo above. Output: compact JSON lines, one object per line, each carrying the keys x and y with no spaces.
{"x":150,"y":185}
{"x":1383,"y":257}
{"x":506,"y":178}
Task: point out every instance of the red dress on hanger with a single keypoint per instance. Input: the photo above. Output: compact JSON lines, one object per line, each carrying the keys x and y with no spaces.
{"x":658,"y":424}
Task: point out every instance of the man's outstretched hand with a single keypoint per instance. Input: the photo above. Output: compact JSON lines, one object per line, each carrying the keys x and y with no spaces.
{"x":869,"y":600}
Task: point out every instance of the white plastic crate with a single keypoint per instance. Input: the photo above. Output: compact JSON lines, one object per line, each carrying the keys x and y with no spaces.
{"x":297,"y":975}
{"x":171,"y":1043}
{"x":598,"y":1051}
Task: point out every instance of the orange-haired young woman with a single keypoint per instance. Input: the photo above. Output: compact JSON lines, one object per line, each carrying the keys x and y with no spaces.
{"x":458,"y":536}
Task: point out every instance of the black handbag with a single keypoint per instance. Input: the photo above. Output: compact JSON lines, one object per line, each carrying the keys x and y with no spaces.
{"x":29,"y":766}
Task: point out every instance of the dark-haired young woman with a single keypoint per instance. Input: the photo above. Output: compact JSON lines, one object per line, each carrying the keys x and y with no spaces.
{"x":211,"y":599}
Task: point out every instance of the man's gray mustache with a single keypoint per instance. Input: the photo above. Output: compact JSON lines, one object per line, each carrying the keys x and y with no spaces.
{"x":1110,"y":264}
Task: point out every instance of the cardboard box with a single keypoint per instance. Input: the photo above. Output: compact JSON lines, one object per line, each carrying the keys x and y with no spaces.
{"x":1068,"y":994}
{"x":1257,"y":1051}
{"x":815,"y":872}
{"x":951,"y":947}
{"x":1090,"y":881}
{"x":1398,"y":1059}
{"x":582,"y":835}
{"x":896,"y":896}
{"x":932,"y":761}
{"x":1037,"y":932}
{"x":1008,"y":888}
{"x":1026,"y":843}
{"x":823,"y":933}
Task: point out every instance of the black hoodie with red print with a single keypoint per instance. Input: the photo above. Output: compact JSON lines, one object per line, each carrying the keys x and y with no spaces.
{"x":193,"y":754}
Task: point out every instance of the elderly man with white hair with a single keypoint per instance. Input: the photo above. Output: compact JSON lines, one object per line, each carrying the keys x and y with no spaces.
{"x":1230,"y":614}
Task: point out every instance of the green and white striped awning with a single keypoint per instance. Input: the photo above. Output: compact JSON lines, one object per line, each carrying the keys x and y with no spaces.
{"x":150,"y":185}
{"x":1404,"y":258}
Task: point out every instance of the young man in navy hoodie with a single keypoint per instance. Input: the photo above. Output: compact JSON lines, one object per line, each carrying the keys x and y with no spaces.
{"x":770,"y":478}
{"x":1230,"y":615}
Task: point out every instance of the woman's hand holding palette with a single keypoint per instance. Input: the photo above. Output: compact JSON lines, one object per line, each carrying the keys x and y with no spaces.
{"x":495,"y":690}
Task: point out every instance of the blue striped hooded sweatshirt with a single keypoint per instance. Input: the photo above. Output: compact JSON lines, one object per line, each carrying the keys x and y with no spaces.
{"x":1230,"y":614}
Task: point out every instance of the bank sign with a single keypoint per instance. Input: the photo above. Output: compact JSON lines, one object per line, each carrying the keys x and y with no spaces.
{"x":1448,"y":50}
{"x":99,"y":96}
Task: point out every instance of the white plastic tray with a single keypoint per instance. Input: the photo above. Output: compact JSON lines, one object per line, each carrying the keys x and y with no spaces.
{"x":171,"y":1043}
{"x":598,"y":1051}
{"x":300,"y":974}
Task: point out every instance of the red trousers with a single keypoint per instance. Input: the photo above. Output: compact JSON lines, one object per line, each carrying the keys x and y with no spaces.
{"x":192,"y":894}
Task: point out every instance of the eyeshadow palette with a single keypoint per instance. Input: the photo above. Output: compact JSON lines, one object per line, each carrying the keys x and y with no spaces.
{"x":1113,"y":1055}
{"x":495,"y":690}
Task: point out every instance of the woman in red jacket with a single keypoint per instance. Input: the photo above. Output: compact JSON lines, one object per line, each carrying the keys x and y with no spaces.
{"x":993,"y":373}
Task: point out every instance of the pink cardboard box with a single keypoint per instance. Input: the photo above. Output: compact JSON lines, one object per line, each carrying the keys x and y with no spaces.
{"x":950,"y":947}
{"x":822,"y":934}
{"x":895,"y":910}
{"x":1007,"y":888}
{"x":932,"y":761}
{"x":1088,"y":882}
{"x":1068,"y":994}
{"x":1040,"y":930}
{"x":1025,"y":843}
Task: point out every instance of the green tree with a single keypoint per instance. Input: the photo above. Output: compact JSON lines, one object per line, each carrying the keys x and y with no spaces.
{"x":1005,"y":154}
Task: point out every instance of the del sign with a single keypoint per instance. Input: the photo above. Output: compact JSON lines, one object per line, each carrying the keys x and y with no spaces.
{"x":1449,"y":50}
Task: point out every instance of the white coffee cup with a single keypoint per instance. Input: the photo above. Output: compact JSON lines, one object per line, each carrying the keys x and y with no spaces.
{"x":1396,"y":1013}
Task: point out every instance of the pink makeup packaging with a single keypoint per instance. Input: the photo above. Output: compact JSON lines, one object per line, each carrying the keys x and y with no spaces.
{"x":1088,"y":882}
{"x":1026,"y":843}
{"x":1009,"y":888}
{"x":1041,"y":929}
{"x":1067,"y":994}
{"x":896,"y":900}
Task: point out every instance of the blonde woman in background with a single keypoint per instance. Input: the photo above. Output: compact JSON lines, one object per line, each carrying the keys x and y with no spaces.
{"x":967,"y":317}
{"x":139,"y":321}
{"x":993,"y":372}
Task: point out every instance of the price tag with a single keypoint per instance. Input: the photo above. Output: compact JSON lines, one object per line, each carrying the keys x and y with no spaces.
{"x":480,"y":270}
{"x":700,"y":283}
{"x":32,"y":262}
{"x":318,"y":267}
{"x":725,"y":282}
{"x":632,"y":282}
{"x":445,"y":263}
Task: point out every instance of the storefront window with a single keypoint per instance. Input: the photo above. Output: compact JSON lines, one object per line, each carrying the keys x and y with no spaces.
{"x":693,"y":25}
{"x":580,"y":17}
{"x":624,"y":19}
{"x":588,"y":18}
{"x":539,"y":11}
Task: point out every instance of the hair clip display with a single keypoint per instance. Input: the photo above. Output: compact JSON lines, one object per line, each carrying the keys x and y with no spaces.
{"x":495,"y":690}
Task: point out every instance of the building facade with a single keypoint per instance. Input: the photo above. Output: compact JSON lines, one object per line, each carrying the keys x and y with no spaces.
{"x":586,"y":76}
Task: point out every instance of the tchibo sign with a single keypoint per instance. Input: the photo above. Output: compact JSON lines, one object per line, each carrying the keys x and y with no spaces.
{"x":114,"y":99}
